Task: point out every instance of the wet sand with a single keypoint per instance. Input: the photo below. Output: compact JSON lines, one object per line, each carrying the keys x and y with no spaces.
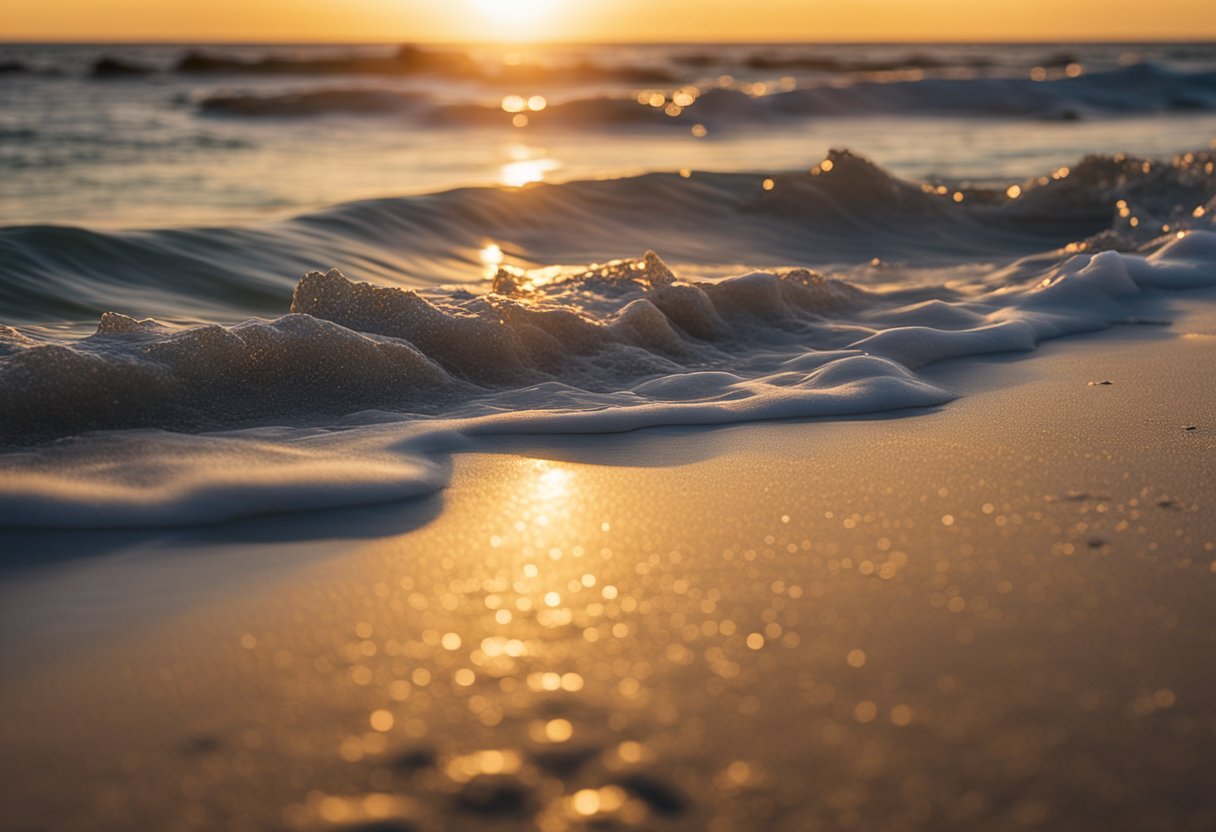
{"x":993,"y":615}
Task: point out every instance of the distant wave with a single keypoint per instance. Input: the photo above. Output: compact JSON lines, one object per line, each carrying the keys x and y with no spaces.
{"x":817,"y":61}
{"x":1141,"y":88}
{"x":110,"y":67}
{"x":410,"y":60}
{"x":317,"y":102}
{"x":18,"y":69}
{"x":405,"y":61}
{"x":849,"y":214}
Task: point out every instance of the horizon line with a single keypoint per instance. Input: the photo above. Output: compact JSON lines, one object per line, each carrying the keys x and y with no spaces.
{"x":43,"y":41}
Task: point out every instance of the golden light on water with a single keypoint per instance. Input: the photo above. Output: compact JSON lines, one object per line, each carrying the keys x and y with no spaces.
{"x":491,"y":255}
{"x":491,"y":258}
{"x":526,"y":171}
{"x":520,"y":104}
{"x":556,"y":730}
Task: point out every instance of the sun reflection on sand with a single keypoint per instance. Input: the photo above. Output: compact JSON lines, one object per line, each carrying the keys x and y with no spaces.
{"x":553,"y":484}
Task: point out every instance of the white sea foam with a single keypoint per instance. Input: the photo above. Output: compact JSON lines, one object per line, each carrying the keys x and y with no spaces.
{"x":362,"y":392}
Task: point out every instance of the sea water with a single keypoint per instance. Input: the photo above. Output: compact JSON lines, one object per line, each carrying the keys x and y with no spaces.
{"x":260,"y":279}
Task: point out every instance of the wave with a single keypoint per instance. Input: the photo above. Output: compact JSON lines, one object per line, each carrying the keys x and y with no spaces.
{"x":846,"y":211}
{"x":410,"y":60}
{"x":407,"y":60}
{"x":21,"y":69}
{"x":358,"y":394}
{"x":353,"y":392}
{"x":818,"y":62}
{"x":793,"y":59}
{"x":1141,"y":88}
{"x":111,"y":67}
{"x":353,"y":101}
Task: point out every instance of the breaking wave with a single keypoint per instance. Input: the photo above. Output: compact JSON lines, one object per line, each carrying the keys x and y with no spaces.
{"x":845,"y":212}
{"x":356,"y":395}
{"x":360,"y":391}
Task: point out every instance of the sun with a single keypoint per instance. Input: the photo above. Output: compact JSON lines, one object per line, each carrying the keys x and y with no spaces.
{"x":517,"y":17}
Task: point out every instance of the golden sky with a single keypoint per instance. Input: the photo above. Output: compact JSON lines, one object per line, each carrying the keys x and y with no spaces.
{"x":605,"y":20}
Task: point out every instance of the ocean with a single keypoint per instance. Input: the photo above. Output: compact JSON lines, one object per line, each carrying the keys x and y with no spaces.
{"x":248,"y":279}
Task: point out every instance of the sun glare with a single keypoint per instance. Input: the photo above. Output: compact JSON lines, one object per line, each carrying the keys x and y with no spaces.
{"x":516,"y":18}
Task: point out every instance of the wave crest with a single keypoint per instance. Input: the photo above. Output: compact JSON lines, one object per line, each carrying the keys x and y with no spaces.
{"x":556,"y":351}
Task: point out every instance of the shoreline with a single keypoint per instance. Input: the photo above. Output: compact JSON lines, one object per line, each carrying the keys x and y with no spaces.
{"x":994,"y":614}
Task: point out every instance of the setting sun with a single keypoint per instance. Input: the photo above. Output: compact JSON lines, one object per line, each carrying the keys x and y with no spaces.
{"x":518,"y":18}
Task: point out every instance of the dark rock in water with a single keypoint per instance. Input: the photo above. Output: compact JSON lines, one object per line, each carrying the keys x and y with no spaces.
{"x":12,"y":67}
{"x":107,"y":67}
{"x":1189,"y":427}
{"x":659,"y":797}
{"x":1102,"y":383}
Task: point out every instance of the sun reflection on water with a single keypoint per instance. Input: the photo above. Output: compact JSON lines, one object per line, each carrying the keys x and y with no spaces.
{"x":491,"y":257}
{"x":526,"y":171}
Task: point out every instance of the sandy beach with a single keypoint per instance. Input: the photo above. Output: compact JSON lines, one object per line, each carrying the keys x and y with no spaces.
{"x":994,"y":614}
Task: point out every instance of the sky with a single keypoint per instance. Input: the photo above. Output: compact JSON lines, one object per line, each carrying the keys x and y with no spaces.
{"x":451,"y":21}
